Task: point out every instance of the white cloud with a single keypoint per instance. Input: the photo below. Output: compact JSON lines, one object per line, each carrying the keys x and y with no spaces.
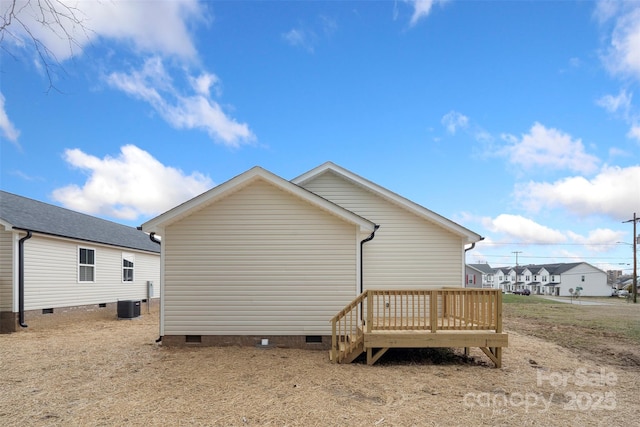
{"x":623,"y":54}
{"x":523,"y":229}
{"x":613,"y":104}
{"x":453,"y":121}
{"x":550,"y":148}
{"x":617,"y":152}
{"x":131,"y":185}
{"x":154,"y":85}
{"x":302,"y":38}
{"x":634,"y":132}
{"x":606,"y":9}
{"x":204,"y":82}
{"x":599,"y":240}
{"x":614,"y":192}
{"x":6,"y":126}
{"x":159,"y":27}
{"x":422,"y":9}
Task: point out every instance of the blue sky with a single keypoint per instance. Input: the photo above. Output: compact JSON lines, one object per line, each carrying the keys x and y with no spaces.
{"x":519,"y":120}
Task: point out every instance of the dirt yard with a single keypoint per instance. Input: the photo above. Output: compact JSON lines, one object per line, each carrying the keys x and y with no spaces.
{"x":104,"y":372}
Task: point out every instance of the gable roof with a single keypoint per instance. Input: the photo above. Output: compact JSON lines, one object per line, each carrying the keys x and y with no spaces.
{"x":482,"y":268}
{"x":235,"y":184}
{"x":22,"y":213}
{"x":403,"y":202}
{"x":552,"y":269}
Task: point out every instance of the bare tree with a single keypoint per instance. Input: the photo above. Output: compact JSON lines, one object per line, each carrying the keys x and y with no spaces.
{"x":23,"y":21}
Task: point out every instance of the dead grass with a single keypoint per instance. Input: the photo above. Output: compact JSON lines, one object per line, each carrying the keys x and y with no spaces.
{"x":608,"y":333}
{"x":104,"y":372}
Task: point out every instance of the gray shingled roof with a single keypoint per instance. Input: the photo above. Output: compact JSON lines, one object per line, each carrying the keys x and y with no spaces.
{"x":28,"y":214}
{"x":484,"y":268}
{"x":553,"y":269}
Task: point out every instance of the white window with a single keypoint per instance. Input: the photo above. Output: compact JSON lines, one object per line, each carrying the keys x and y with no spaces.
{"x":127,"y":267}
{"x":86,"y":265}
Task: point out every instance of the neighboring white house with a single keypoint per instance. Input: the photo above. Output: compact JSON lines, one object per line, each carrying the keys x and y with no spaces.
{"x":53,"y":258}
{"x":259,"y":257}
{"x":480,"y":276}
{"x":555,"y":279}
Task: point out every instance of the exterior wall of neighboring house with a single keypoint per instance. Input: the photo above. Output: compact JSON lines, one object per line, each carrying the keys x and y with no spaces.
{"x":7,"y":317}
{"x":480,"y":277}
{"x":51,"y":279}
{"x":592,"y":281}
{"x":259,"y":261}
{"x":52,"y":274}
{"x":472,"y":278}
{"x":408,"y":251}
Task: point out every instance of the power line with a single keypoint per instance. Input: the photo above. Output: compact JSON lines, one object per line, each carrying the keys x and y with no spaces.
{"x":545,"y":244}
{"x":549,"y":257}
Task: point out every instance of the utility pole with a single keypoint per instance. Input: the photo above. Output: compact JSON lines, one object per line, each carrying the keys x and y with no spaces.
{"x":634,"y":285}
{"x":516,"y":252}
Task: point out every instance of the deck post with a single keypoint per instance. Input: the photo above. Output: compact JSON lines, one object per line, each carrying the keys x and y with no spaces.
{"x":334,"y":342}
{"x":369,"y":311}
{"x":498,"y":312}
{"x":433,"y":310}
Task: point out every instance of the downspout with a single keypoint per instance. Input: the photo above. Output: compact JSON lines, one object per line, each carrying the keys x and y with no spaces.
{"x":473,"y":245}
{"x":368,"y":239}
{"x":21,"y":279}
{"x":152,"y":236}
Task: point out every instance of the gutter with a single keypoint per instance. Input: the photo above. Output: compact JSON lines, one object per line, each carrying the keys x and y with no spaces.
{"x":368,"y":239}
{"x":473,"y":245}
{"x":152,"y":237}
{"x":21,"y":278}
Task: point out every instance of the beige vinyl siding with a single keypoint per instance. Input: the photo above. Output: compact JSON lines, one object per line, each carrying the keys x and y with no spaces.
{"x":6,"y":270}
{"x":260,"y":261}
{"x":408,"y":251}
{"x":51,"y":274}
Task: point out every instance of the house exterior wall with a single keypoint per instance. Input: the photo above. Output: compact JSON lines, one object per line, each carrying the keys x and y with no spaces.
{"x":594,"y":284}
{"x":6,"y":270}
{"x":408,"y":252}
{"x":51,"y":274}
{"x":260,"y":261}
{"x":8,"y":319}
{"x":473,"y":278}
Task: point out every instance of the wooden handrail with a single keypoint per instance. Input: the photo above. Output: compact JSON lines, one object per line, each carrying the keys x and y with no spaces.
{"x":446,"y":309}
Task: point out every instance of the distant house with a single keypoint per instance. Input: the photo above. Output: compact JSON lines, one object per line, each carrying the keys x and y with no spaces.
{"x":53,"y":259}
{"x":554,"y":279}
{"x":480,"y":276}
{"x":260,"y":257}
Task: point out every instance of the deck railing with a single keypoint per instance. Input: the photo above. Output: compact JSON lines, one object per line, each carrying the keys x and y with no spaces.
{"x":447,"y":309}
{"x":346,"y":331}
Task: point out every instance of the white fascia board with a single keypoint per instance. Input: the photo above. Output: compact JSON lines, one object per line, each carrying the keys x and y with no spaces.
{"x":234,"y":184}
{"x":417,"y":209}
{"x":7,"y":226}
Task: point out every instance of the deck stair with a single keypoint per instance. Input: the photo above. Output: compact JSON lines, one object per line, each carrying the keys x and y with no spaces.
{"x":377,"y":320}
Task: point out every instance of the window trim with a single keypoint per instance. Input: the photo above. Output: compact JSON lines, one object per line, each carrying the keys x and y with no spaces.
{"x":128,"y":256}
{"x":80,"y":265}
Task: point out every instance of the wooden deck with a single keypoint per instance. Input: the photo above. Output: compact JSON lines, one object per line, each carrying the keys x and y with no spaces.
{"x":381,"y":319}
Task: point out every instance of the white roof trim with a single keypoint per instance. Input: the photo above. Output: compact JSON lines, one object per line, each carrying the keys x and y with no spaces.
{"x":7,"y":226}
{"x":157,"y":224}
{"x":421,"y":211}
